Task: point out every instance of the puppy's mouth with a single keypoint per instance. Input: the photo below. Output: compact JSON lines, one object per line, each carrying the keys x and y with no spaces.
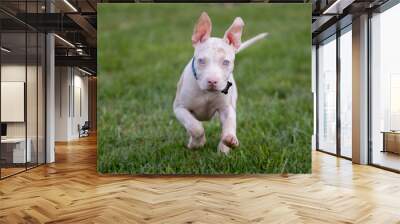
{"x":212,"y":88}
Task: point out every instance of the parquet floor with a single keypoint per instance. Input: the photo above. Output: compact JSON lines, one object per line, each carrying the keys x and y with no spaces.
{"x":10,"y":171}
{"x":70,"y":191}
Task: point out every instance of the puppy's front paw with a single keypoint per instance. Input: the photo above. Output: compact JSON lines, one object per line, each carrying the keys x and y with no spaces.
{"x":230,"y":141}
{"x":223,"y":148}
{"x":195,"y":143}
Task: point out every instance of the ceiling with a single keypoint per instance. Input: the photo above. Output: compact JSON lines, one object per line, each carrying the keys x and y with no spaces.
{"x":332,"y":15}
{"x":74,"y":22}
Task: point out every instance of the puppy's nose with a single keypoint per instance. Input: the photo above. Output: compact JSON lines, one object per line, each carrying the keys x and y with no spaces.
{"x":212,"y":82}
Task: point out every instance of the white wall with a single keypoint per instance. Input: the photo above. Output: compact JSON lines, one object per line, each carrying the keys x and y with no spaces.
{"x":12,"y":100}
{"x":12,"y":73}
{"x":33,"y":126}
{"x":80,"y":88}
{"x":62,"y":82}
{"x":70,"y":83}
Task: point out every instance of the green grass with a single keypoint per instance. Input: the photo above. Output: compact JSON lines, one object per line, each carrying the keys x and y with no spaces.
{"x":143,"y":49}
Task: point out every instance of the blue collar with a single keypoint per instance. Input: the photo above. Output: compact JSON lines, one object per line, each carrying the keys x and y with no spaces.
{"x":193,"y":69}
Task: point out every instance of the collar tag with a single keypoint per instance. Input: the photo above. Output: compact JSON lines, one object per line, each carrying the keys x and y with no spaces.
{"x":228,"y":85}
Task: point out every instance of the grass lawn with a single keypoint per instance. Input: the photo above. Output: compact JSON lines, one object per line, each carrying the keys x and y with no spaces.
{"x":143,"y":49}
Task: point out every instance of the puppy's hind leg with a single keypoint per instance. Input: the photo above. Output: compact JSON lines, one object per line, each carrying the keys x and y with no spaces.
{"x":194,"y":127}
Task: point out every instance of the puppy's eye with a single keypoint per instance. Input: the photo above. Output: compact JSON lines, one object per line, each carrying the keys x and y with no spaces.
{"x":225,"y":62}
{"x":201,"y":61}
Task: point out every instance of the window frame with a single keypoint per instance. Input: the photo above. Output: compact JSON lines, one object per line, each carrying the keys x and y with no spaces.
{"x":339,"y":32}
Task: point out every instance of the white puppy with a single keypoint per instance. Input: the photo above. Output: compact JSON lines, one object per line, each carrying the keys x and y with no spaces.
{"x":207,"y":86}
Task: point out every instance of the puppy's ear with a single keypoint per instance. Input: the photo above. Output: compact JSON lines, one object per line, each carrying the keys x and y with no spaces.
{"x":202,"y":30}
{"x":233,"y":35}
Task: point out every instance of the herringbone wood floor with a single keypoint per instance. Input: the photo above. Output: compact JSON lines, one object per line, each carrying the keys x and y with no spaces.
{"x":70,"y":191}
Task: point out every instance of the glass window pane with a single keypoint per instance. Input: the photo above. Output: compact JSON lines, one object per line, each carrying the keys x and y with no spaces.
{"x":22,"y":88}
{"x":41,"y":98}
{"x":327,"y":96}
{"x":14,"y":150}
{"x":32,"y":87}
{"x":385,"y":93}
{"x":346,"y":94}
{"x":31,"y":97}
